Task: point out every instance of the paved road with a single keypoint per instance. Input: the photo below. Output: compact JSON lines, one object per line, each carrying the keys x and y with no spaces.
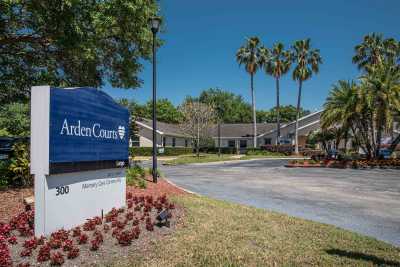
{"x":364,"y":201}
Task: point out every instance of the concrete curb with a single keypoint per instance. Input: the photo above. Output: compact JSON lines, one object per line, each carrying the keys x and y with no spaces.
{"x":181,"y":188}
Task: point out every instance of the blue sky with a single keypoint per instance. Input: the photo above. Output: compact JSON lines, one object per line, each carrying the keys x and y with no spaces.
{"x":201,"y":39}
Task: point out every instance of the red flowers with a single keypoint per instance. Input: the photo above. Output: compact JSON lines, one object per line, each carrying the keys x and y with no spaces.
{"x":26,"y":252}
{"x":5,"y":229}
{"x":61,"y":245}
{"x":82,"y":239}
{"x":57,"y":258}
{"x":73,"y":253}
{"x":12,"y":240}
{"x":149,"y":224}
{"x":97,"y":241}
{"x":67,"y":245}
{"x":31,"y":243}
{"x":5,"y":255}
{"x":44,"y":253}
{"x":125,"y":238}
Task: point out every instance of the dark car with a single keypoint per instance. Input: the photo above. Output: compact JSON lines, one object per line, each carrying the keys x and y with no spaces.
{"x":384,"y":153}
{"x":6,"y":144}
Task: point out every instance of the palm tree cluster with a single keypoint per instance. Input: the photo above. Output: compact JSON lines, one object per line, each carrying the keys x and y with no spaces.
{"x":276,"y":62}
{"x":364,"y":110}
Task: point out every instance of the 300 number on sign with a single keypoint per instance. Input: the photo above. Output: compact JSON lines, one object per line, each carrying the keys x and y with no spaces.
{"x":62,"y":190}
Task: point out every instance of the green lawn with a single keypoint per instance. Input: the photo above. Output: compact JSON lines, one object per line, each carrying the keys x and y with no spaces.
{"x":217,"y":233}
{"x":192,"y":158}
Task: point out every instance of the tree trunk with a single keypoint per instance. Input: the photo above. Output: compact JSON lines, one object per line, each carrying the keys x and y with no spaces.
{"x":253,"y":103}
{"x":278,"y":117}
{"x":219,"y":138}
{"x":379,"y":129}
{"x":198,"y":140}
{"x":296,"y":140}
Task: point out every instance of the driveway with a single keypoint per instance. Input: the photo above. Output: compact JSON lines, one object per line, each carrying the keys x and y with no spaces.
{"x":364,"y":201}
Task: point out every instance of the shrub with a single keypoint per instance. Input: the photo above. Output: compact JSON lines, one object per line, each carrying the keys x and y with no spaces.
{"x":262,"y":152}
{"x":19,"y":165}
{"x":168,"y":151}
{"x":4,"y":173}
{"x":214,"y":150}
{"x":135,"y":175}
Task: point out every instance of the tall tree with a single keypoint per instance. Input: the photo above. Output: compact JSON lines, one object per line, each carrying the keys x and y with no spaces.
{"x":341,"y":109}
{"x":198,"y":119}
{"x":72,"y":43}
{"x":307,"y":61}
{"x":233,"y":108}
{"x":249,"y":55}
{"x":379,"y":58}
{"x":374,"y":50}
{"x":382,"y":87}
{"x":167,"y":112}
{"x":277,"y":63}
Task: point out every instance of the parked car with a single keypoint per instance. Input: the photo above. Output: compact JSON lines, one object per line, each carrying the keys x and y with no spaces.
{"x":5,"y":147}
{"x":6,"y":144}
{"x":333,"y":154}
{"x":384,"y":153}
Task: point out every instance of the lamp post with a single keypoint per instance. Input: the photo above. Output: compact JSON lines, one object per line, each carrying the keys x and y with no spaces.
{"x":154,"y":26}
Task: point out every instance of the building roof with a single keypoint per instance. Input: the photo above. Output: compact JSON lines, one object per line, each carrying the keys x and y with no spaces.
{"x":239,"y":130}
{"x":162,"y":127}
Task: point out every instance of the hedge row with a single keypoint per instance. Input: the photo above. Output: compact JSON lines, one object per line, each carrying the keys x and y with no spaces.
{"x":214,"y":150}
{"x":168,"y":151}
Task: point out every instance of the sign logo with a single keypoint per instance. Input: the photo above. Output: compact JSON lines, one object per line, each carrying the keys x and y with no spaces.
{"x":121,"y":132}
{"x":96,"y":130}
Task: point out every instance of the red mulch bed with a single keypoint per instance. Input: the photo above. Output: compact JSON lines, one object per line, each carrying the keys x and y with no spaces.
{"x":162,"y":187}
{"x":122,"y":232}
{"x":11,"y":200}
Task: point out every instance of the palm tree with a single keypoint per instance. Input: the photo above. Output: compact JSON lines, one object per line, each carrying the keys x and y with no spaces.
{"x":307,"y":62}
{"x":382,"y":86}
{"x":276,"y":63}
{"x":249,"y":55}
{"x":374,"y":50}
{"x":341,"y":109}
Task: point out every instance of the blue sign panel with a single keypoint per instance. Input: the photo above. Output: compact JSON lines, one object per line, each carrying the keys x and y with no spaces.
{"x":87,"y":125}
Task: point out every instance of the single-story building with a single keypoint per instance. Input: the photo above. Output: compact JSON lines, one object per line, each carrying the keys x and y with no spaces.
{"x":168,"y":135}
{"x":239,"y":135}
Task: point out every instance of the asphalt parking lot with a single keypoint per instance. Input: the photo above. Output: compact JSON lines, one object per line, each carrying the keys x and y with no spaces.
{"x":364,"y":201}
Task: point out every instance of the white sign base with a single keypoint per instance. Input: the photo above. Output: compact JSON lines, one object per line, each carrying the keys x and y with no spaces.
{"x":69,"y":199}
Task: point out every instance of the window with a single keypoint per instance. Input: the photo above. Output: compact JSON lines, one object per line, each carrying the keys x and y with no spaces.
{"x":173,"y":142}
{"x":243,"y":143}
{"x":164,"y":141}
{"x":231,"y":143}
{"x":267,"y":141}
{"x":186,"y":143}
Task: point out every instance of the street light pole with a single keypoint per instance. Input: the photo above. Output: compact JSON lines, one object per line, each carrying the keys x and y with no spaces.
{"x":154,"y":24}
